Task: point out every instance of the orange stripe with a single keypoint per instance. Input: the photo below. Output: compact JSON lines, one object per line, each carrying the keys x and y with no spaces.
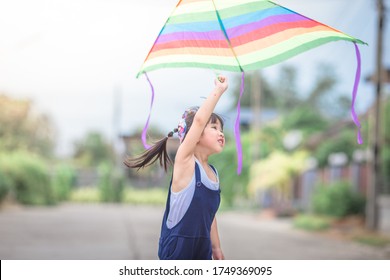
{"x":194,"y":51}
{"x":276,"y":39}
{"x":270,"y":30}
{"x":191,"y":44}
{"x":240,"y":50}
{"x":239,"y":40}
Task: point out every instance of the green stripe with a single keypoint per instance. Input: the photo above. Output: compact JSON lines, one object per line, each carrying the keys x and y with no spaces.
{"x":289,"y":53}
{"x":250,"y":66}
{"x":192,"y":17}
{"x":187,"y":64}
{"x":225,"y":13}
{"x":244,"y":9}
{"x":295,"y":42}
{"x":204,"y":61}
{"x":189,"y":58}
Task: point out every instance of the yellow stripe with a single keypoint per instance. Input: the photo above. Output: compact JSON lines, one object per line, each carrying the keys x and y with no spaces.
{"x":285,"y":46}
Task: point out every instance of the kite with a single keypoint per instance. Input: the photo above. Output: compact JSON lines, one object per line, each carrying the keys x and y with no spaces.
{"x":238,"y":36}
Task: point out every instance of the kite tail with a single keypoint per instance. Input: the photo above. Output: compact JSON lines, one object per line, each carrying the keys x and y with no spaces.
{"x":237,"y":127}
{"x":354,"y":93}
{"x":144,"y":131}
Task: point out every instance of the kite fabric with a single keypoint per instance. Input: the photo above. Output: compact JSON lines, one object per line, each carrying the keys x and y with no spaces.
{"x":238,"y":36}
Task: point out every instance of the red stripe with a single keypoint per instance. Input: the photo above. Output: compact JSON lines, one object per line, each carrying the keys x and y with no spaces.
{"x":271,"y":30}
{"x":240,"y":40}
{"x":191,"y":44}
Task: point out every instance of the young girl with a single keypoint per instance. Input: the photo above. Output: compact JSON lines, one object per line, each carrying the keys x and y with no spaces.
{"x":189,"y":228}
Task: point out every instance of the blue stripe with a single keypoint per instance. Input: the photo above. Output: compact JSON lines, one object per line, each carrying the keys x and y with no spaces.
{"x":204,"y":26}
{"x":228,"y":23}
{"x":255,"y":16}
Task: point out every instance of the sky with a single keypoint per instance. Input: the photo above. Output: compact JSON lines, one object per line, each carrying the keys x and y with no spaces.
{"x":77,"y":61}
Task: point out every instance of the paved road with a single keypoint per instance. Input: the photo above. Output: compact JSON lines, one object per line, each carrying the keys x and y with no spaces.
{"x":131,"y":232}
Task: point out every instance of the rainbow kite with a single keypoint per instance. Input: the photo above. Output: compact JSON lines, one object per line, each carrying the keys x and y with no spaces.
{"x":238,"y":35}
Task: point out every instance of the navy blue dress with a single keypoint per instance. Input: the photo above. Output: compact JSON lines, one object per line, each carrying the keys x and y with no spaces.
{"x":190,"y":238}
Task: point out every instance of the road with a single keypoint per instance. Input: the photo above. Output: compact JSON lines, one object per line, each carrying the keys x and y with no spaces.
{"x":126,"y":232}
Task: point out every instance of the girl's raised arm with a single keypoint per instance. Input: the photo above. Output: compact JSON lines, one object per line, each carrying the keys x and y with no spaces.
{"x":202,"y":116}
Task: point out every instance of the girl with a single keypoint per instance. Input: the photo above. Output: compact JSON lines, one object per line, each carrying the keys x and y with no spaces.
{"x":189,"y":228}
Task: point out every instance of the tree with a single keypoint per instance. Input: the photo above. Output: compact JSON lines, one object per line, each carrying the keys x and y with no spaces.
{"x":21,"y":127}
{"x":285,"y":90}
{"x":267,"y":93}
{"x":93,"y":149}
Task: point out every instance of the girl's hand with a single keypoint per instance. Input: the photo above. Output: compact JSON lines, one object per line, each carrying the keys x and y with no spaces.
{"x":217,"y":254}
{"x":221,"y":83}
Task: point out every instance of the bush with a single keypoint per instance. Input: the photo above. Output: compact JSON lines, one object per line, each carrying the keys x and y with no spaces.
{"x":344,"y":143}
{"x":5,"y":185}
{"x":29,"y":177}
{"x":63,"y":181}
{"x":232,"y":185}
{"x":111,"y":184}
{"x":311,"y":222}
{"x":338,"y":200}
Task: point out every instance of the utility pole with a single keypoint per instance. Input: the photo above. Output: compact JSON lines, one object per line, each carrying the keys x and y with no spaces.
{"x":116,"y":120}
{"x":375,"y":182}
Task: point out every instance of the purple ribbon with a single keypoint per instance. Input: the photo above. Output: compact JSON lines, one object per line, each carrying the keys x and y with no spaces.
{"x":144,"y":131}
{"x":354,"y":93}
{"x":237,"y":127}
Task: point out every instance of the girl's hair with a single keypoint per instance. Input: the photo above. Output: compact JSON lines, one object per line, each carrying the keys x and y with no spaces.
{"x":159,"y":149}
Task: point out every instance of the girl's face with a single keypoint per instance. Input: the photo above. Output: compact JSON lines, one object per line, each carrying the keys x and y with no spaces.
{"x":213,"y":137}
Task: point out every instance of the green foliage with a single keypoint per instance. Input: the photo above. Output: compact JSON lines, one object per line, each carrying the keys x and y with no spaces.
{"x":131,"y":195}
{"x":338,"y":200}
{"x":111,"y":183}
{"x":22,"y":128}
{"x":276,"y":171}
{"x":85,"y":195}
{"x":372,"y":239}
{"x":5,"y":185}
{"x":93,"y":150}
{"x":385,"y":156}
{"x":233,"y":185}
{"x":149,"y":196}
{"x":345,"y":142}
{"x":312,"y":222}
{"x":286,"y":89}
{"x":385,"y":153}
{"x":270,"y":139}
{"x":30,"y":178}
{"x":304,"y":118}
{"x":63,"y":181}
{"x":267,"y":93}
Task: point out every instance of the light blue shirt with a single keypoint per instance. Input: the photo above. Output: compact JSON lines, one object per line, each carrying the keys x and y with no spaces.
{"x":180,"y":201}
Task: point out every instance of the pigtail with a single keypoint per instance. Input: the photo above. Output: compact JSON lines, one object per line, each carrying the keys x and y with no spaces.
{"x":156,"y":152}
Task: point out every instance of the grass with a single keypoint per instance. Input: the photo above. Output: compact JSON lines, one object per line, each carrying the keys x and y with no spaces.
{"x":85,"y":195}
{"x":347,"y":227}
{"x":312,"y":222}
{"x":150,"y":196}
{"x":372,"y":239}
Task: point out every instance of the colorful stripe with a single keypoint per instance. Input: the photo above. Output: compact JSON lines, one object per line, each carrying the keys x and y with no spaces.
{"x":260,"y":33}
{"x":237,"y":35}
